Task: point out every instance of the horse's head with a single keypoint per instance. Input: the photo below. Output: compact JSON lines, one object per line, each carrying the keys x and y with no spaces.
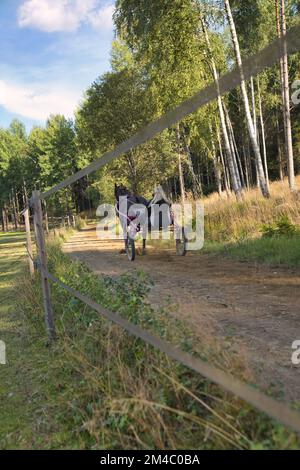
{"x":121,"y":191}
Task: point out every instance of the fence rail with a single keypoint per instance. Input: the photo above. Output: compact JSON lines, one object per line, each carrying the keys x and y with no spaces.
{"x":252,"y":66}
{"x":268,"y":405}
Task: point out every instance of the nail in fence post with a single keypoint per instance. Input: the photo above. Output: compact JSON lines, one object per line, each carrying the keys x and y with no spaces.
{"x":40,"y":241}
{"x":28,"y":241}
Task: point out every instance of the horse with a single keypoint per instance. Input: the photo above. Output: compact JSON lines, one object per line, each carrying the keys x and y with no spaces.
{"x":133,"y":215}
{"x":137,"y":214}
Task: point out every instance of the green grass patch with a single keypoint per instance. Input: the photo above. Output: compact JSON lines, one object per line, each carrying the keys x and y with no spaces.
{"x":26,"y":421}
{"x":15,"y":409}
{"x":279,"y":244}
{"x":274,"y":251}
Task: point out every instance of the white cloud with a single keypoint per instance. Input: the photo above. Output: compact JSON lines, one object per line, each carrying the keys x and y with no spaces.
{"x":102,"y":18}
{"x":37,"y":104}
{"x":65,"y":15}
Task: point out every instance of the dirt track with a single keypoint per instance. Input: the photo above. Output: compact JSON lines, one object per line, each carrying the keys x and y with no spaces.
{"x":253,"y":308}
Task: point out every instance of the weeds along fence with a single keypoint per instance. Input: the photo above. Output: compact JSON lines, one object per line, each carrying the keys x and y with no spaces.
{"x":252,"y":66}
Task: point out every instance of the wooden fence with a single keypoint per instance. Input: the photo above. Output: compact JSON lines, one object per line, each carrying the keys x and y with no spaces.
{"x":252,"y":66}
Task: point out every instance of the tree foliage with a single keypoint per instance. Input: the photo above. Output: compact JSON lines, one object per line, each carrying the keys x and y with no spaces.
{"x":159,"y":58}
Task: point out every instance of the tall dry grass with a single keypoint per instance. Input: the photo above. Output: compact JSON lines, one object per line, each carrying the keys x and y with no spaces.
{"x":229,"y":220}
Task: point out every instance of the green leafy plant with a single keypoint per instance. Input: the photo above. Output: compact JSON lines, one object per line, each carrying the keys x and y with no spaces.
{"x":281,"y":227}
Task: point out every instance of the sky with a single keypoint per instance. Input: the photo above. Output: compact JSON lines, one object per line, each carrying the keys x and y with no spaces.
{"x":50,"y":52}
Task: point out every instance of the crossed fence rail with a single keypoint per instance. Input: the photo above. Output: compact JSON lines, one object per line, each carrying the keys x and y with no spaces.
{"x":251,"y":67}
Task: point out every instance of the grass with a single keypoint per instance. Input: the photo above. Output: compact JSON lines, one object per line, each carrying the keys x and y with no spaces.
{"x":15,"y":408}
{"x":97,"y":387}
{"x":283,"y":251}
{"x":238,"y":229}
{"x":26,"y":421}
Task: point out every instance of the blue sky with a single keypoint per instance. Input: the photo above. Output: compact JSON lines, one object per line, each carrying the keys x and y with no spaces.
{"x":50,"y":52}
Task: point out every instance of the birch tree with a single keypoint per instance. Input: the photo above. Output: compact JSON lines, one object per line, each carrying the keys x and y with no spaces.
{"x":250,"y":123}
{"x":284,"y":73}
{"x":263,"y":134}
{"x":233,"y":170}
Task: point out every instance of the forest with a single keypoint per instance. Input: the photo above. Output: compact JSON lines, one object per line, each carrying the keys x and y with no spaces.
{"x":162,"y":54}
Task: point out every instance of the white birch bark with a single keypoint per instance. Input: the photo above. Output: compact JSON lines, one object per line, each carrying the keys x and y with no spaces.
{"x":197,"y":187}
{"x":263,"y":134}
{"x":235,"y":148}
{"x":250,"y":124}
{"x":217,"y":169}
{"x":286,"y":103}
{"x":181,"y":177}
{"x":236,"y":186}
{"x":253,"y":106}
{"x":225,"y":170}
{"x":278,"y":26}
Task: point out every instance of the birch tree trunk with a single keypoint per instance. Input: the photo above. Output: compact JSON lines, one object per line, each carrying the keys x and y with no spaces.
{"x":225,"y":172}
{"x":17,"y":206}
{"x":6,"y":220}
{"x":236,"y":186}
{"x":13,"y":202}
{"x":246,"y":168}
{"x":281,"y":173}
{"x":249,"y":161}
{"x":280,"y":160}
{"x":286,"y":102}
{"x":278,"y":26}
{"x":250,"y":124}
{"x":255,"y":128}
{"x":234,"y":147}
{"x":25,"y":198}
{"x":197,"y":187}
{"x":217,"y":170}
{"x":181,"y":177}
{"x":3,"y":220}
{"x":263,"y":135}
{"x":254,"y":107}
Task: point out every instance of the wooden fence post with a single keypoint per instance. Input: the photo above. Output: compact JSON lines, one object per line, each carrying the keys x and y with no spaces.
{"x":28,"y":241}
{"x":46,"y":218}
{"x":41,"y":247}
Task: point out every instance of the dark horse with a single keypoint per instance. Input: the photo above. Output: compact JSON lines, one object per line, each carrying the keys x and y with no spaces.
{"x":137,"y":214}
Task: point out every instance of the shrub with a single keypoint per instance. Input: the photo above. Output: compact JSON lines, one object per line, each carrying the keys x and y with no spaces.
{"x":281,"y":227}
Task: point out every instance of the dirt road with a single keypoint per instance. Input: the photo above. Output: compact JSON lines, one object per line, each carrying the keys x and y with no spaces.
{"x":252,"y":309}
